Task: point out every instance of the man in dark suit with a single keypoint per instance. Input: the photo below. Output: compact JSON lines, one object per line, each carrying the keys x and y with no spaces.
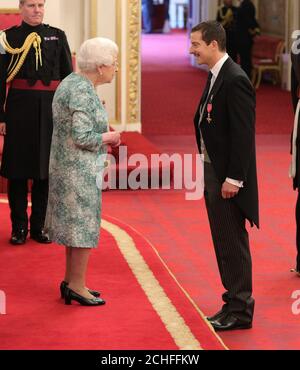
{"x":225,"y":133}
{"x":295,"y":170}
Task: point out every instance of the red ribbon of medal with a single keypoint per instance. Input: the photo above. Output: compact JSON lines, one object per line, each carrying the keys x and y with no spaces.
{"x":209,"y":110}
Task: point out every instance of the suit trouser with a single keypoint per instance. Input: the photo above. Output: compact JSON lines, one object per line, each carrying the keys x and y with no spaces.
{"x":231,"y":243}
{"x":298,"y":231}
{"x":18,"y":202}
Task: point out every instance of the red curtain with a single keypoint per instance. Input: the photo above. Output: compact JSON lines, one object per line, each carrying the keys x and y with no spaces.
{"x":9,"y":19}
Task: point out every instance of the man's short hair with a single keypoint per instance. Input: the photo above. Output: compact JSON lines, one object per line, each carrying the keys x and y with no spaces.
{"x":212,"y":31}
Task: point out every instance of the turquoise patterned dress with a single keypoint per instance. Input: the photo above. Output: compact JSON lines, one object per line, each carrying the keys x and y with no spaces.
{"x":77,"y":162}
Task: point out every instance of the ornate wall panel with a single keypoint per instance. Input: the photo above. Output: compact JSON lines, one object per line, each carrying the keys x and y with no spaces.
{"x":133,"y":67}
{"x":272,"y":17}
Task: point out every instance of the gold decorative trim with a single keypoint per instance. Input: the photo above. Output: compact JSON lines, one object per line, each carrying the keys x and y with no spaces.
{"x":173,"y":321}
{"x":133,"y":66}
{"x":118,"y":107}
{"x":179,"y":285}
{"x":93,"y":17}
{"x":9,"y":11}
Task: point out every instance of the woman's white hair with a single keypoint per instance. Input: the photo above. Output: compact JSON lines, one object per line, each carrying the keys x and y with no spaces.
{"x":96,"y":52}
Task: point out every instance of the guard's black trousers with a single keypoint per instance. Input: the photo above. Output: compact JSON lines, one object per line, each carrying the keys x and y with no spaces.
{"x":244,"y":50}
{"x":18,"y":202}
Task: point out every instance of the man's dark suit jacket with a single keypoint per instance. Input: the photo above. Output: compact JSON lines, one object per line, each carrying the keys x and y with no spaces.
{"x":295,"y":99}
{"x":230,"y":137}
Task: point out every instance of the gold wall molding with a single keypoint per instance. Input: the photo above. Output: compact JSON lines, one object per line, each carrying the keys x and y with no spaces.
{"x":9,"y":11}
{"x":93,"y":17}
{"x":133,"y":66}
{"x":119,"y":13}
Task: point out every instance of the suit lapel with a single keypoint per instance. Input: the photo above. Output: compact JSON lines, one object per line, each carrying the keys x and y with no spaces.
{"x":216,"y":87}
{"x":219,"y":81}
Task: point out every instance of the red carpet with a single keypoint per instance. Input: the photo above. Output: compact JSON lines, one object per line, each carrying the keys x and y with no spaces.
{"x":171,"y":90}
{"x":180,"y":232}
{"x":37,"y":319}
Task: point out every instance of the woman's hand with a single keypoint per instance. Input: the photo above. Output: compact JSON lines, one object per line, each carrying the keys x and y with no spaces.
{"x":112,"y":138}
{"x":116,"y":145}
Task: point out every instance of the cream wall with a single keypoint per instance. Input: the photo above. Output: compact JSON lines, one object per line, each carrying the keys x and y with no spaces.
{"x":9,"y":3}
{"x":106,"y":27}
{"x":71,"y":20}
{"x":65,"y":14}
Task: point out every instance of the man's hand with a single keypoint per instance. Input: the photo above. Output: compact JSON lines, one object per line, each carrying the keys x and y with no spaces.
{"x":229,"y":191}
{"x":2,"y":128}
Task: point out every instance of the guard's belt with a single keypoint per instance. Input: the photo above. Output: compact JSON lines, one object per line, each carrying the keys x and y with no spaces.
{"x":39,"y":85}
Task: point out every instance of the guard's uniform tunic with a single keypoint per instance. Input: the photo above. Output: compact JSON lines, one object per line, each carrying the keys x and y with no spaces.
{"x":28,"y":117}
{"x":28,"y":113}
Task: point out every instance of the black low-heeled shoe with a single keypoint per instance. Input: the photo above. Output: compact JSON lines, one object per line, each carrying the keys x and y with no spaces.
{"x":40,"y":236}
{"x":70,"y":296}
{"x":64,"y":284}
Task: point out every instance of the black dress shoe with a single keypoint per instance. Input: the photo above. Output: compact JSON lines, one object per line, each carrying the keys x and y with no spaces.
{"x":40,"y":237}
{"x":296,"y":271}
{"x":64,"y":284}
{"x":217,"y":316}
{"x":18,"y":237}
{"x":230,"y":322}
{"x":70,"y":296}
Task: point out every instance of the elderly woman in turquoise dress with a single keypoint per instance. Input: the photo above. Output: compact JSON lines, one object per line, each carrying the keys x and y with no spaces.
{"x":78,"y":151}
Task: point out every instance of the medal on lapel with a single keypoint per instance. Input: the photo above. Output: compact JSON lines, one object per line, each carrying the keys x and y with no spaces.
{"x":209,"y":110}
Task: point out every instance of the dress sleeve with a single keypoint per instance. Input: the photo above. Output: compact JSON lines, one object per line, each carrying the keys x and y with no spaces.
{"x":83,"y":108}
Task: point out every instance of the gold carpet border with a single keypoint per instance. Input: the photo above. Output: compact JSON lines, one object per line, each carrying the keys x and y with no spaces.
{"x":173,"y":321}
{"x":178,"y":283}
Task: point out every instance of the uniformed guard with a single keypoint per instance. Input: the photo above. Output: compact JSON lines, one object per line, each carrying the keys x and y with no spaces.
{"x":227,"y":17}
{"x":247,"y":28}
{"x":35,"y":58}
